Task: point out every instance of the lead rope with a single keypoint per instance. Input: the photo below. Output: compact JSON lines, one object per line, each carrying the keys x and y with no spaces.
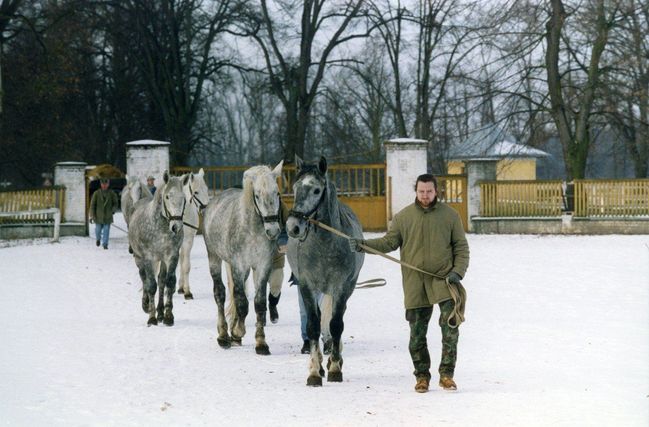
{"x":458,"y":293}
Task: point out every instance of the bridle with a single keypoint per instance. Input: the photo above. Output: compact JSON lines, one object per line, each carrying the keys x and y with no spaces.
{"x":266,"y":218}
{"x":197,"y":202}
{"x":168,"y":215}
{"x":308,"y":216}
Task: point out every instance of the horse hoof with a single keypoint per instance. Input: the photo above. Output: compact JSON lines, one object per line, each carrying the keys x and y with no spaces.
{"x":335,"y":377}
{"x":224,"y":342}
{"x":152,"y":321}
{"x":262,"y":350}
{"x":314,"y":381}
{"x":236,"y":341}
{"x":189,"y":295}
{"x":168,"y":320}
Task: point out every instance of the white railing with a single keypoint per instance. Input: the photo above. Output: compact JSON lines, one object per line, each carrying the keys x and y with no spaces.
{"x":53,"y":212}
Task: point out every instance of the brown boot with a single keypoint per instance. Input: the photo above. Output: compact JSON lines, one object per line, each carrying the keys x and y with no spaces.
{"x":447,"y":383}
{"x":422,"y":385}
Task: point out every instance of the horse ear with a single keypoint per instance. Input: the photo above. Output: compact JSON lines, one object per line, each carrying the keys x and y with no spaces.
{"x":298,"y":162}
{"x":165,"y":176}
{"x":278,"y":169}
{"x":201,"y":173}
{"x":322,"y":165}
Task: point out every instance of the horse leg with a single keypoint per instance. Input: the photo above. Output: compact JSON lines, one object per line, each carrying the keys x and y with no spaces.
{"x":276,"y":279}
{"x":261,"y":280}
{"x":162,"y":278}
{"x":313,"y":332}
{"x":239,"y":300}
{"x":219,"y":297}
{"x":336,"y":326}
{"x":185,"y":264}
{"x":170,"y":288}
{"x":148,"y":295}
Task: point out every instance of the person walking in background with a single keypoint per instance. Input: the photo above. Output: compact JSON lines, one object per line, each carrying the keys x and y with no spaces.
{"x":102,"y":207}
{"x":150,"y":184}
{"x":431,"y":237}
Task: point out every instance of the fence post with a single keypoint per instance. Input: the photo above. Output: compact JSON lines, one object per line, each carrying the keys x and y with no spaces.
{"x":477,"y":170}
{"x":147,"y":158}
{"x":72,"y":175}
{"x":405,"y":160}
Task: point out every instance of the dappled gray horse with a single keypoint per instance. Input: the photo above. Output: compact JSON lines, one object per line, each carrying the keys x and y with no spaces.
{"x":155,"y":234}
{"x":196,"y":195}
{"x":241,"y":227}
{"x":321,"y":261}
{"x":133,"y":191}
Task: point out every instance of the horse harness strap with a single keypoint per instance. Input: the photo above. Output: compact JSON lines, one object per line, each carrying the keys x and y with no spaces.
{"x":170,"y":217}
{"x":199,"y":204}
{"x":309,"y":215}
{"x":267,"y":218}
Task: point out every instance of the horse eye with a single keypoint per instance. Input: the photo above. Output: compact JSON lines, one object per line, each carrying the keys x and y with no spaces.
{"x":167,"y":197}
{"x":316,"y":191}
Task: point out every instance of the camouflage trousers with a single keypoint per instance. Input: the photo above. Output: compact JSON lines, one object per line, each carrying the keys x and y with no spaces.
{"x":418,"y":318}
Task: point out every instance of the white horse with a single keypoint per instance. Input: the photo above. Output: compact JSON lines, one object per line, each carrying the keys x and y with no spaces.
{"x":196,"y":194}
{"x":241,"y":228}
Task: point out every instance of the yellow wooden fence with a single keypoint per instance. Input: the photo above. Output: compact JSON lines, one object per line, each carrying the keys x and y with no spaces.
{"x":611,"y":198}
{"x":521,"y":198}
{"x":361,"y":187}
{"x":32,"y":200}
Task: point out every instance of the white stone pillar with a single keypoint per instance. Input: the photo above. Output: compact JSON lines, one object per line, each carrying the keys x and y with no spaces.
{"x":405,"y":160}
{"x":147,"y":157}
{"x":477,"y":170}
{"x":72,"y":175}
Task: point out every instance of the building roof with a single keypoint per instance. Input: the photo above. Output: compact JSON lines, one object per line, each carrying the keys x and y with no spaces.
{"x":492,"y":142}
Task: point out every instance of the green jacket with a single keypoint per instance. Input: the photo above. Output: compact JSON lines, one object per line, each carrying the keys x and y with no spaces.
{"x":431,"y":239}
{"x":102,"y":206}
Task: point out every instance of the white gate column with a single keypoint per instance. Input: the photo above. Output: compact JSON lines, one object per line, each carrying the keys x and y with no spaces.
{"x":147,"y":158}
{"x":405,"y":160}
{"x":72,"y":175}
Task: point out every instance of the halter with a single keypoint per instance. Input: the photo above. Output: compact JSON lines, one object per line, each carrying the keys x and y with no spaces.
{"x":199,"y":204}
{"x":170,"y":217}
{"x":306,"y":216}
{"x":267,"y":218}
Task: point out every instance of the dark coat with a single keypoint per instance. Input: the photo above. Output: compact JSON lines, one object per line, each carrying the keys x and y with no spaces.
{"x":102,"y":206}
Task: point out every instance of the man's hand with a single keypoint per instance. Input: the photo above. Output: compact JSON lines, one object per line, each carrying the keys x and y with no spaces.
{"x":453,"y":278}
{"x":355,"y":244}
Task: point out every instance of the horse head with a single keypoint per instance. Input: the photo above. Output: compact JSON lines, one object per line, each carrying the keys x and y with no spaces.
{"x":196,"y":190}
{"x":309,"y":192}
{"x":173,"y":201}
{"x":262,"y":183}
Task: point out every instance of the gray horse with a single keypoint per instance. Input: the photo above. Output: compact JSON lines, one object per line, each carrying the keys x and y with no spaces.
{"x":155,"y":234}
{"x":133,"y":191}
{"x":241,"y":227}
{"x":321,"y":261}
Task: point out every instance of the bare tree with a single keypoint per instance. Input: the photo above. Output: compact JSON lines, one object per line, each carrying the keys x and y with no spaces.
{"x":8,"y":12}
{"x":296,"y":70}
{"x":174,"y":41}
{"x":627,"y":85}
{"x":573,"y":91}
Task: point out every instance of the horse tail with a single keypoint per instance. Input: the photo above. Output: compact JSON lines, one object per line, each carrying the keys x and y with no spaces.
{"x":326,"y":312}
{"x":230,"y":311}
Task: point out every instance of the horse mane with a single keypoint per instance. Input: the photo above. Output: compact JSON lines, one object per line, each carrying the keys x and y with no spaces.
{"x":332,"y":202}
{"x":248,"y":189}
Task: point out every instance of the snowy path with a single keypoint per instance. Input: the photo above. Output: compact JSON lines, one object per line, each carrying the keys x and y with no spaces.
{"x":557,"y":333}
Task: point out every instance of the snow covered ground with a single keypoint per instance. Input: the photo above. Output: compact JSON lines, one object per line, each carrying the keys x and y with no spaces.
{"x":557,"y":333}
